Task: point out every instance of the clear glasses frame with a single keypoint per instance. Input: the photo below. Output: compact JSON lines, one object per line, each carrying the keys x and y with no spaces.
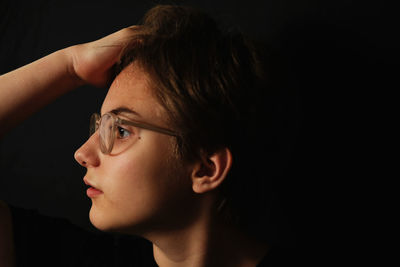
{"x":107,"y":126}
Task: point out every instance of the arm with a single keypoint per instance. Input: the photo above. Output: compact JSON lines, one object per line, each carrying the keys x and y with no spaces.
{"x":27,"y":89}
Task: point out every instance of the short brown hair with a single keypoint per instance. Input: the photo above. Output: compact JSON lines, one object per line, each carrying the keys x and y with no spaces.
{"x":212,"y":84}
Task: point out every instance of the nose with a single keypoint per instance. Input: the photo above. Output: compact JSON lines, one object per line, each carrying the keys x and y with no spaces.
{"x":88,"y":154}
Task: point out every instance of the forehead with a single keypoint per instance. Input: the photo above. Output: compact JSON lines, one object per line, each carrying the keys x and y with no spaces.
{"x":132,"y":89}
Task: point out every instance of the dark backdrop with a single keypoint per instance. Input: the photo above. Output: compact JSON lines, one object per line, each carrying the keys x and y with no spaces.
{"x":324,"y":55}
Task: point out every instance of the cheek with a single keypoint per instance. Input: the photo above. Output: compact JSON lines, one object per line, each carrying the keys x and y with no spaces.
{"x":146,"y":167}
{"x":135,"y":180}
{"x":138,"y":185}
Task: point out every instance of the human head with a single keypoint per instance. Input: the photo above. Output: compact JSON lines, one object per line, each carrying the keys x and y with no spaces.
{"x":212,"y":84}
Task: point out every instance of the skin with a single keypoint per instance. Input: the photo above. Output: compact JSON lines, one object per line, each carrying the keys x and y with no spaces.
{"x":149,"y":191}
{"x":141,"y":185}
{"x":47,"y":78}
{"x":146,"y":189}
{"x":27,"y":89}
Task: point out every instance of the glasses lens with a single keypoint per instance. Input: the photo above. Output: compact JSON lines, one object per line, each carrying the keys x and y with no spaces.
{"x":106,"y":132}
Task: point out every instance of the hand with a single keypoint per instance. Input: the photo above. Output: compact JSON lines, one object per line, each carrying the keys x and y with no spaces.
{"x":92,"y":62}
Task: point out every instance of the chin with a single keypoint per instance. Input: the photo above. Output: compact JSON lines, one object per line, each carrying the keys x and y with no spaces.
{"x":103,"y":221}
{"x":99,"y":221}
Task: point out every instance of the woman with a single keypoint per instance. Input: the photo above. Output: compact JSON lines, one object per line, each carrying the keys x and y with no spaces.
{"x":174,"y":156}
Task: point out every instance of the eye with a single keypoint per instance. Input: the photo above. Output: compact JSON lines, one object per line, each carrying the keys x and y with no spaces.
{"x":122,"y":132}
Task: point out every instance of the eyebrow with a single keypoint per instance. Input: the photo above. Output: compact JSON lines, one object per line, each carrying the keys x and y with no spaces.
{"x":120,"y":110}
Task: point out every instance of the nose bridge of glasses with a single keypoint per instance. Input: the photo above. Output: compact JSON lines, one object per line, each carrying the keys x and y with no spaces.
{"x":94,"y":123}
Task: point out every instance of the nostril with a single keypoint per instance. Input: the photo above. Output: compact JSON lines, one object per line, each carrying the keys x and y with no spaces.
{"x":87,"y":154}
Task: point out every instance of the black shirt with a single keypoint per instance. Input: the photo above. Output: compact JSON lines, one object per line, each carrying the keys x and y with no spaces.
{"x":47,"y":241}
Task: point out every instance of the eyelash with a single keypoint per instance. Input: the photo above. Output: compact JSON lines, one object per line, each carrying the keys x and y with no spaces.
{"x":119,"y":128}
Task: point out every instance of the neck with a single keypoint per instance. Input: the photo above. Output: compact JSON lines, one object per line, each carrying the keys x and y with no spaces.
{"x":206,"y":242}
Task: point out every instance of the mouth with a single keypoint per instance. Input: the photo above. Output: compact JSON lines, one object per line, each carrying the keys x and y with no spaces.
{"x":92,"y":191}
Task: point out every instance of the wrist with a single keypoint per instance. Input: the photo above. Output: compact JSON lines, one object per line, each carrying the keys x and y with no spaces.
{"x":70,"y":55}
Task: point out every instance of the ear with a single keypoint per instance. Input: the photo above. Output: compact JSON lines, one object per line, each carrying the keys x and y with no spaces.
{"x":211,"y":170}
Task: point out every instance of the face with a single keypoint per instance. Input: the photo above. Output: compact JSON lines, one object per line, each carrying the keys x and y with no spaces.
{"x":144,"y":186}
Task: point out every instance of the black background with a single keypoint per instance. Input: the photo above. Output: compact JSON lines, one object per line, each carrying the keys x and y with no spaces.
{"x":326,"y":55}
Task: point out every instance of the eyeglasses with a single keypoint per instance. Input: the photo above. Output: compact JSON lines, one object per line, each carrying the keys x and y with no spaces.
{"x":109,"y":126}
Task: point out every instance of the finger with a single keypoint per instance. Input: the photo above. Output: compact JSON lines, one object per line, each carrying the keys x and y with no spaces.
{"x":133,"y":27}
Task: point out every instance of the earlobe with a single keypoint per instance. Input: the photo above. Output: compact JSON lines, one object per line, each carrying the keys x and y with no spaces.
{"x":211,"y":170}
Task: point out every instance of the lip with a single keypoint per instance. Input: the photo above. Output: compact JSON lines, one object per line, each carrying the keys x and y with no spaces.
{"x":92,"y":191}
